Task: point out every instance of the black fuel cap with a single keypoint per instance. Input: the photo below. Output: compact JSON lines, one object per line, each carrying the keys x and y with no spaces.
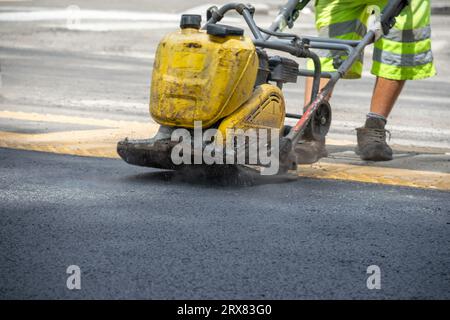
{"x":221,"y":30}
{"x":191,"y":21}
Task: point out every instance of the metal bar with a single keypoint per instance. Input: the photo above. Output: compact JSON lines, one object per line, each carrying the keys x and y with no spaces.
{"x":390,"y":12}
{"x":293,"y":116}
{"x":284,"y":14}
{"x":251,"y":24}
{"x":332,"y":46}
{"x":352,"y":43}
{"x":294,"y":135}
{"x":222,"y":11}
{"x":316,"y":74}
{"x":278,"y":45}
{"x":228,"y":7}
{"x":347,"y":64}
{"x":310,"y":73}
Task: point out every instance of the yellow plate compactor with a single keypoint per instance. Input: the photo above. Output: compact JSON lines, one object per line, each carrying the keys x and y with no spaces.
{"x":217,"y":94}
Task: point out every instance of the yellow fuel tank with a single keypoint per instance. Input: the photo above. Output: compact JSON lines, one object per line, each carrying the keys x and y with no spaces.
{"x":201,"y":77}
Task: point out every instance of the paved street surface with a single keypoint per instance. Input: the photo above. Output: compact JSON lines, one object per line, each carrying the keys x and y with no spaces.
{"x":74,"y":79}
{"x":146,"y":234}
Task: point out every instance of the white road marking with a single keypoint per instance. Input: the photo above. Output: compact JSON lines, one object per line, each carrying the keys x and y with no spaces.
{"x":106,"y":20}
{"x":422,"y":130}
{"x":86,"y":14}
{"x":104,"y":103}
{"x":52,"y":15}
{"x":123,"y":26}
{"x":98,"y":103}
{"x":131,"y":54}
{"x":426,"y":100}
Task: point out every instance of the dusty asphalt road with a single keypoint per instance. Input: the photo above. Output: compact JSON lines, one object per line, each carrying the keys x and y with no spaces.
{"x":139,"y":233}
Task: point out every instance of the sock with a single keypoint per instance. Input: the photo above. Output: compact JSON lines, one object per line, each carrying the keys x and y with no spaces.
{"x":376,"y":116}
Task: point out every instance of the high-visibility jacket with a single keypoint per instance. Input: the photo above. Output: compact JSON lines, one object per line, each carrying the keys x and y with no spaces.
{"x":404,"y":54}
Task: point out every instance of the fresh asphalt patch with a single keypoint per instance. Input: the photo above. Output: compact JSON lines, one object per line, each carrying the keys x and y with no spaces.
{"x":143,"y":233}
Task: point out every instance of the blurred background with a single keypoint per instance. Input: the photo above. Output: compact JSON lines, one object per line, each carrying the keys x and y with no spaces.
{"x":94,"y":58}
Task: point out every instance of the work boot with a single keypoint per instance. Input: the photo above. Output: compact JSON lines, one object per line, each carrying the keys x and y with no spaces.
{"x":310,"y":151}
{"x":372,"y":144}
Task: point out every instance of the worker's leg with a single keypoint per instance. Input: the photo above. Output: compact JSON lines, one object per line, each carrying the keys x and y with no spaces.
{"x":345,"y":20}
{"x":372,"y":143}
{"x":385,"y":95}
{"x":404,"y":54}
{"x":334,"y":19}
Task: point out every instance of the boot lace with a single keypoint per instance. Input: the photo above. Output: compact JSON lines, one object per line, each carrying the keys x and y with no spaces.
{"x":377,"y":135}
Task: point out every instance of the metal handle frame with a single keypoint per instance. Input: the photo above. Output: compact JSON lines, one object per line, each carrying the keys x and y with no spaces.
{"x":296,"y":46}
{"x":300,"y":47}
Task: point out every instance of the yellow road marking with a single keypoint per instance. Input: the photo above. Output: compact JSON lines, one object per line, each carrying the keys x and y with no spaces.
{"x":93,"y":143}
{"x":379,"y":175}
{"x":102,"y":143}
{"x":26,"y":116}
{"x":335,"y":142}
